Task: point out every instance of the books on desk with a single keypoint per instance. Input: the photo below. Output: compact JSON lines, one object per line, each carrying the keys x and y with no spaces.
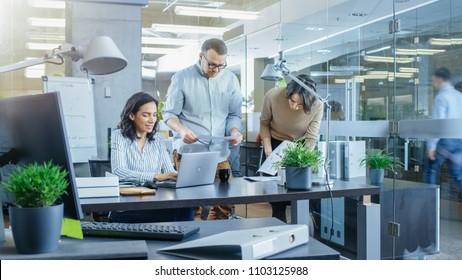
{"x":89,"y":187}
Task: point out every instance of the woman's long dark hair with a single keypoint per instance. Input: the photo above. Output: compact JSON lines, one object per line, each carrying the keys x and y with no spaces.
{"x":308,"y":99}
{"x":132,"y":106}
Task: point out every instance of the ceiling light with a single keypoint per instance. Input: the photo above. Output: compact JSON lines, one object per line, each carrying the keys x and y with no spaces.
{"x":46,"y":22}
{"x":168,"y":41}
{"x":188,"y":29}
{"x":401,"y":75}
{"x":213,"y":12}
{"x":349,"y":68}
{"x":418,"y":51}
{"x":147,"y":50}
{"x":445,"y":42}
{"x":358,"y":14}
{"x":314,"y":28}
{"x":330,"y":73}
{"x":41,"y":46}
{"x":388,"y":59}
{"x":378,"y":50}
{"x":47,"y":4}
{"x":408,"y":70}
{"x":323,"y":51}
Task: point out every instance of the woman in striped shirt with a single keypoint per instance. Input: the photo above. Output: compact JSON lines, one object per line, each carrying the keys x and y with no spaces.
{"x":139,"y":155}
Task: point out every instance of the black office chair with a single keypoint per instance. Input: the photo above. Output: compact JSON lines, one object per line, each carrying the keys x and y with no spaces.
{"x":99,"y":167}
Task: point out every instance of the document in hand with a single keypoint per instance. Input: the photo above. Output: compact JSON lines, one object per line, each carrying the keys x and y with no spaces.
{"x":246,"y":244}
{"x":268,"y":165}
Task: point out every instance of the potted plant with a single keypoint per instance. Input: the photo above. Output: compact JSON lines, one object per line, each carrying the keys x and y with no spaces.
{"x":299,"y":162}
{"x":377,"y":161}
{"x":36,"y":214}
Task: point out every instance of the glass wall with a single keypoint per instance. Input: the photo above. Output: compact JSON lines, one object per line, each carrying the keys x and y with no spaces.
{"x":373,"y":60}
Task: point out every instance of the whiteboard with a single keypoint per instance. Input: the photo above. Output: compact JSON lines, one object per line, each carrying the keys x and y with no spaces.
{"x":79,"y":114}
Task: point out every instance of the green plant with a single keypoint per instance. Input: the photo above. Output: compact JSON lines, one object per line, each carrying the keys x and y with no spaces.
{"x":37,"y":185}
{"x":378,"y":159}
{"x":296,"y":154}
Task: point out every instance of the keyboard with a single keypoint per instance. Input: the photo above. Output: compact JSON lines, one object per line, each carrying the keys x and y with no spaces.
{"x":138,"y":230}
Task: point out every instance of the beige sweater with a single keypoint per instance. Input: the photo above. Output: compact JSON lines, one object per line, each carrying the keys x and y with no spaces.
{"x":280,"y":122}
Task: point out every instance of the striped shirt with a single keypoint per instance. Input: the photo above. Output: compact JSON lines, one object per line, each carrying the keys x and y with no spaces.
{"x":131,"y":164}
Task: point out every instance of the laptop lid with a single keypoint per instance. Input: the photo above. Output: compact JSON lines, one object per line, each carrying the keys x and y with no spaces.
{"x":197,"y":169}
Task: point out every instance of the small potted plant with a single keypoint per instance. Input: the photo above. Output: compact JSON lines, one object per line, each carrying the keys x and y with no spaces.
{"x":299,"y":162}
{"x":377,"y":161}
{"x":36,"y":214}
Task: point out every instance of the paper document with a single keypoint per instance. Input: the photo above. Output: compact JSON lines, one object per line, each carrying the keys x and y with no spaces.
{"x":262,"y":178}
{"x":277,"y":154}
{"x":226,"y":138}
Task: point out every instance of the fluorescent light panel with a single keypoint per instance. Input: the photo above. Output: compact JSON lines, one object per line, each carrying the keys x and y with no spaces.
{"x":41,"y":46}
{"x":388,"y":59}
{"x":147,"y":50}
{"x":188,"y":29}
{"x":46,"y":22}
{"x":168,"y":41}
{"x":213,"y":12}
{"x":47,"y":4}
{"x":418,"y":51}
{"x":445,"y":42}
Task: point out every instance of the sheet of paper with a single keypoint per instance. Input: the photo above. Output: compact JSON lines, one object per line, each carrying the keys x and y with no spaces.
{"x":262,"y":178}
{"x":226,"y":138}
{"x":268,"y":165}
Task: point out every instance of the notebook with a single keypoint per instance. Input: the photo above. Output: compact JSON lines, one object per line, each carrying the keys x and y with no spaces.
{"x":196,"y":169}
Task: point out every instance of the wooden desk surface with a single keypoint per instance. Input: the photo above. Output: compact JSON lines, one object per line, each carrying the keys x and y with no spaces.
{"x":237,"y":191}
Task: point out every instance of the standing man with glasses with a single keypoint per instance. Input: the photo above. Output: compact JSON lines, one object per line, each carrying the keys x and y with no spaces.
{"x":205,"y":99}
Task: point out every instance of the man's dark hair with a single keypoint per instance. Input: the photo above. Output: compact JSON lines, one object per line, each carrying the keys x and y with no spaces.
{"x":216,"y":44}
{"x":132,"y":106}
{"x":306,"y":96}
{"x":442,"y":73}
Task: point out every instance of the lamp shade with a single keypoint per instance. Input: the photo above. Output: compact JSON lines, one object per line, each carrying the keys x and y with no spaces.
{"x":103,"y":57}
{"x":269,"y":74}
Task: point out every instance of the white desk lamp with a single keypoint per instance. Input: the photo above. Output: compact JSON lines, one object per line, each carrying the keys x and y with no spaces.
{"x":101,"y":57}
{"x":274,"y":75}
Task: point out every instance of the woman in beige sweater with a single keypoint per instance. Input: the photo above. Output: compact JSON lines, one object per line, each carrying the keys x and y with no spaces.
{"x":289,"y":113}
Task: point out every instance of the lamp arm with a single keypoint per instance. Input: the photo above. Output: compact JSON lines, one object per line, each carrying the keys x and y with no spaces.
{"x":66,"y":49}
{"x":281,"y":66}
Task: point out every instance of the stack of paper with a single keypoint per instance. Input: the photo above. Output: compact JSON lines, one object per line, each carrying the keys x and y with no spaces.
{"x":97,"y":186}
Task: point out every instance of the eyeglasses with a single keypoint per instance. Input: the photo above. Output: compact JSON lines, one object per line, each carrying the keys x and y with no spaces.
{"x":213,"y":65}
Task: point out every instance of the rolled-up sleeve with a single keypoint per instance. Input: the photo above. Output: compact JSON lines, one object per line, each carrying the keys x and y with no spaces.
{"x":234,"y":109}
{"x":175,"y":100}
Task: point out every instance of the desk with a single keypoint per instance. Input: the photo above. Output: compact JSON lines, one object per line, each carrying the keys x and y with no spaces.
{"x":241,"y":191}
{"x":94,"y":248}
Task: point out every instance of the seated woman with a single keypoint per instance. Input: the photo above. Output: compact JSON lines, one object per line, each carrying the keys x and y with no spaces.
{"x":139,"y":155}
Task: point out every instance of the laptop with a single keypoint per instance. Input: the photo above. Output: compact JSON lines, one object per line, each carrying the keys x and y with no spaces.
{"x":196,"y":169}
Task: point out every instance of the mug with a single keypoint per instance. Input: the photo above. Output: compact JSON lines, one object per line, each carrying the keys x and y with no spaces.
{"x":224,"y":174}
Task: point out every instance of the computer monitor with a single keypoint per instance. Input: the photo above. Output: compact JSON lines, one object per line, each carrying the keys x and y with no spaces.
{"x":32,"y":130}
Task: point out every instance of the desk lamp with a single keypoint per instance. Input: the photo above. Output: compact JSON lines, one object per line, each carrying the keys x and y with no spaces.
{"x":101,"y":57}
{"x":272,"y":75}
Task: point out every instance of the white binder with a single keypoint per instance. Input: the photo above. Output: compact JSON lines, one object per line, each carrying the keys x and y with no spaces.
{"x":246,"y":244}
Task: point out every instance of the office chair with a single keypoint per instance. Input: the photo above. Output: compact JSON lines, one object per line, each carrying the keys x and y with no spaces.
{"x":99,"y":167}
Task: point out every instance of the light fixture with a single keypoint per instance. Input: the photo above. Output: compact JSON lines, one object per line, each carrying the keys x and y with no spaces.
{"x":188,"y":29}
{"x":269,"y":74}
{"x":46,"y":22}
{"x":314,"y":28}
{"x":384,"y":48}
{"x":408,"y":70}
{"x":149,"y":50}
{"x":101,"y":57}
{"x":349,"y":68}
{"x":213,"y":12}
{"x":331,"y":73}
{"x":418,"y":51}
{"x":168,"y":41}
{"x":445,"y":42}
{"x":388,"y":59}
{"x":47,"y":4}
{"x":41,"y":46}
